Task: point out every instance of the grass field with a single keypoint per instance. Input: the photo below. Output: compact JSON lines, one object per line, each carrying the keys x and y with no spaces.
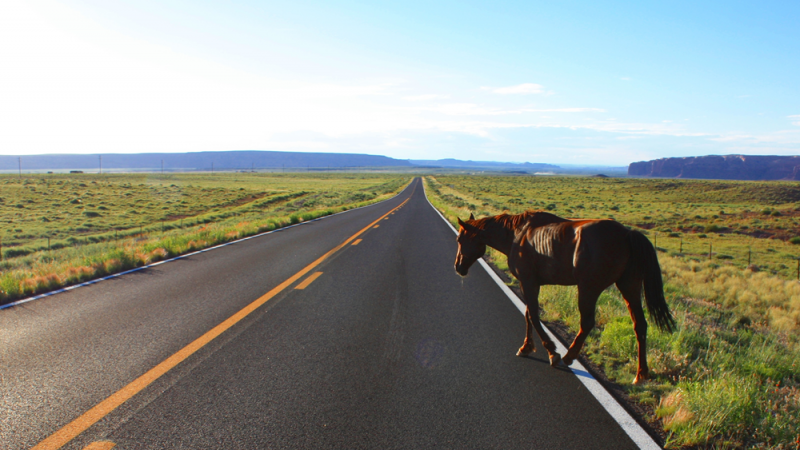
{"x":730,"y":376}
{"x":58,"y":230}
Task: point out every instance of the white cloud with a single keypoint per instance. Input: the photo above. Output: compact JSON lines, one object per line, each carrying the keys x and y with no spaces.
{"x":795,"y":119}
{"x":424,"y":97}
{"x":567,"y":110}
{"x":524,"y":88}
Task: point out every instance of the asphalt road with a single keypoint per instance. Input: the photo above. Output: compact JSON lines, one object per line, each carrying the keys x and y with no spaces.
{"x":387,"y":348}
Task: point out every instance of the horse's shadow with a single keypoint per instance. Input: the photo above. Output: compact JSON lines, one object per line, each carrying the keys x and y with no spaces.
{"x":560,"y":367}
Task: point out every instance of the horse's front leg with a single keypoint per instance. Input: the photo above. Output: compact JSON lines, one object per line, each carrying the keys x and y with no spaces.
{"x":527,"y":347}
{"x":530,"y":291}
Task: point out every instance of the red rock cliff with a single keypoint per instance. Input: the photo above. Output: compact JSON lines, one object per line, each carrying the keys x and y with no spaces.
{"x":729,"y":167}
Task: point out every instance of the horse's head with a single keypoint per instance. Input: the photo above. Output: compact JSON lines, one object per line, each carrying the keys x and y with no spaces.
{"x":471,"y":246}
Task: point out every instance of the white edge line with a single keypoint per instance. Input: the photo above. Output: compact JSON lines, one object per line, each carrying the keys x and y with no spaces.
{"x":628,"y":424}
{"x":186,"y":255}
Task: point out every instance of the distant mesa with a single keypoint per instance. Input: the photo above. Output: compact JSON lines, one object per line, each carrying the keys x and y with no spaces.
{"x":198,"y":161}
{"x":728,"y":167}
{"x":243,"y":160}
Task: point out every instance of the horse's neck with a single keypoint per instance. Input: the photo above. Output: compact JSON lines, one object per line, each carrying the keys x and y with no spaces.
{"x":500,"y":235}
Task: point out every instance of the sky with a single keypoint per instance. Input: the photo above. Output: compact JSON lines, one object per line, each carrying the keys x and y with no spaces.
{"x":573,"y":82}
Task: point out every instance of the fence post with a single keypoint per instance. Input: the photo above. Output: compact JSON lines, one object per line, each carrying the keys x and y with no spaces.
{"x":1,"y":249}
{"x":748,"y":256}
{"x":681,"y":247}
{"x":709,"y":250}
{"x":655,"y":244}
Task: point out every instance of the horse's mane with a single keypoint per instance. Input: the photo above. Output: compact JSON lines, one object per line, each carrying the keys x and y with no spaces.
{"x":517,"y":221}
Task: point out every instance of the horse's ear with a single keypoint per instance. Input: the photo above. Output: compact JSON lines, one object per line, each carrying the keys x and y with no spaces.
{"x":471,"y":216}
{"x":466,"y":226}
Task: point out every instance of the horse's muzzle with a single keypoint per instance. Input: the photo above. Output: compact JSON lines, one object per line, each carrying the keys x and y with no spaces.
{"x":462,"y":270}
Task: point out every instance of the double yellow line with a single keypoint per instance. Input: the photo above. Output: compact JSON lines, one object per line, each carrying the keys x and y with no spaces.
{"x":102,"y":409}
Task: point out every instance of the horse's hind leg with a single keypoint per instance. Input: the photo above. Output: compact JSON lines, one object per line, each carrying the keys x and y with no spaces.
{"x":587,"y":302}
{"x":531,"y":293}
{"x":631,"y":289}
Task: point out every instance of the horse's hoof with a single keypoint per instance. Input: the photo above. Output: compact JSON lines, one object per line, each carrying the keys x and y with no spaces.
{"x":640,"y":378}
{"x":567,"y":360}
{"x":555,"y":358}
{"x":525,"y":351}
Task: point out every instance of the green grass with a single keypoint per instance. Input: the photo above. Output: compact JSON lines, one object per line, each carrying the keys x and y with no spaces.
{"x":730,"y":376}
{"x":125,"y":221}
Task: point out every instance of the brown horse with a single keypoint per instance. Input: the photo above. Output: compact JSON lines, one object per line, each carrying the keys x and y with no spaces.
{"x":593,"y":254}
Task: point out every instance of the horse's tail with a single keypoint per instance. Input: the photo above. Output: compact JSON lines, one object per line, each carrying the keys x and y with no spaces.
{"x":643,"y":255}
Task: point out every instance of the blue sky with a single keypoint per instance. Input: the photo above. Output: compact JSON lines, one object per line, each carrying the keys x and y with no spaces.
{"x":555,"y":82}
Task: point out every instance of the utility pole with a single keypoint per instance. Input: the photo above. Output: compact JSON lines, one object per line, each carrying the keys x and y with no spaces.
{"x":748,"y":255}
{"x":212,"y":167}
{"x":19,"y":161}
{"x":681,"y":247}
{"x":709,"y":250}
{"x":162,"y":167}
{"x":100,"y":158}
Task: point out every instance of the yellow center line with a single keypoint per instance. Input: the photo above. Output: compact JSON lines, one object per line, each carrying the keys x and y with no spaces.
{"x":100,"y":445}
{"x":376,"y":226}
{"x":102,"y":409}
{"x":357,"y":241}
{"x":308,"y":280}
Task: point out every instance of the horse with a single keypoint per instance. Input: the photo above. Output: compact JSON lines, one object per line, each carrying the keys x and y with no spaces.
{"x":544,"y":249}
